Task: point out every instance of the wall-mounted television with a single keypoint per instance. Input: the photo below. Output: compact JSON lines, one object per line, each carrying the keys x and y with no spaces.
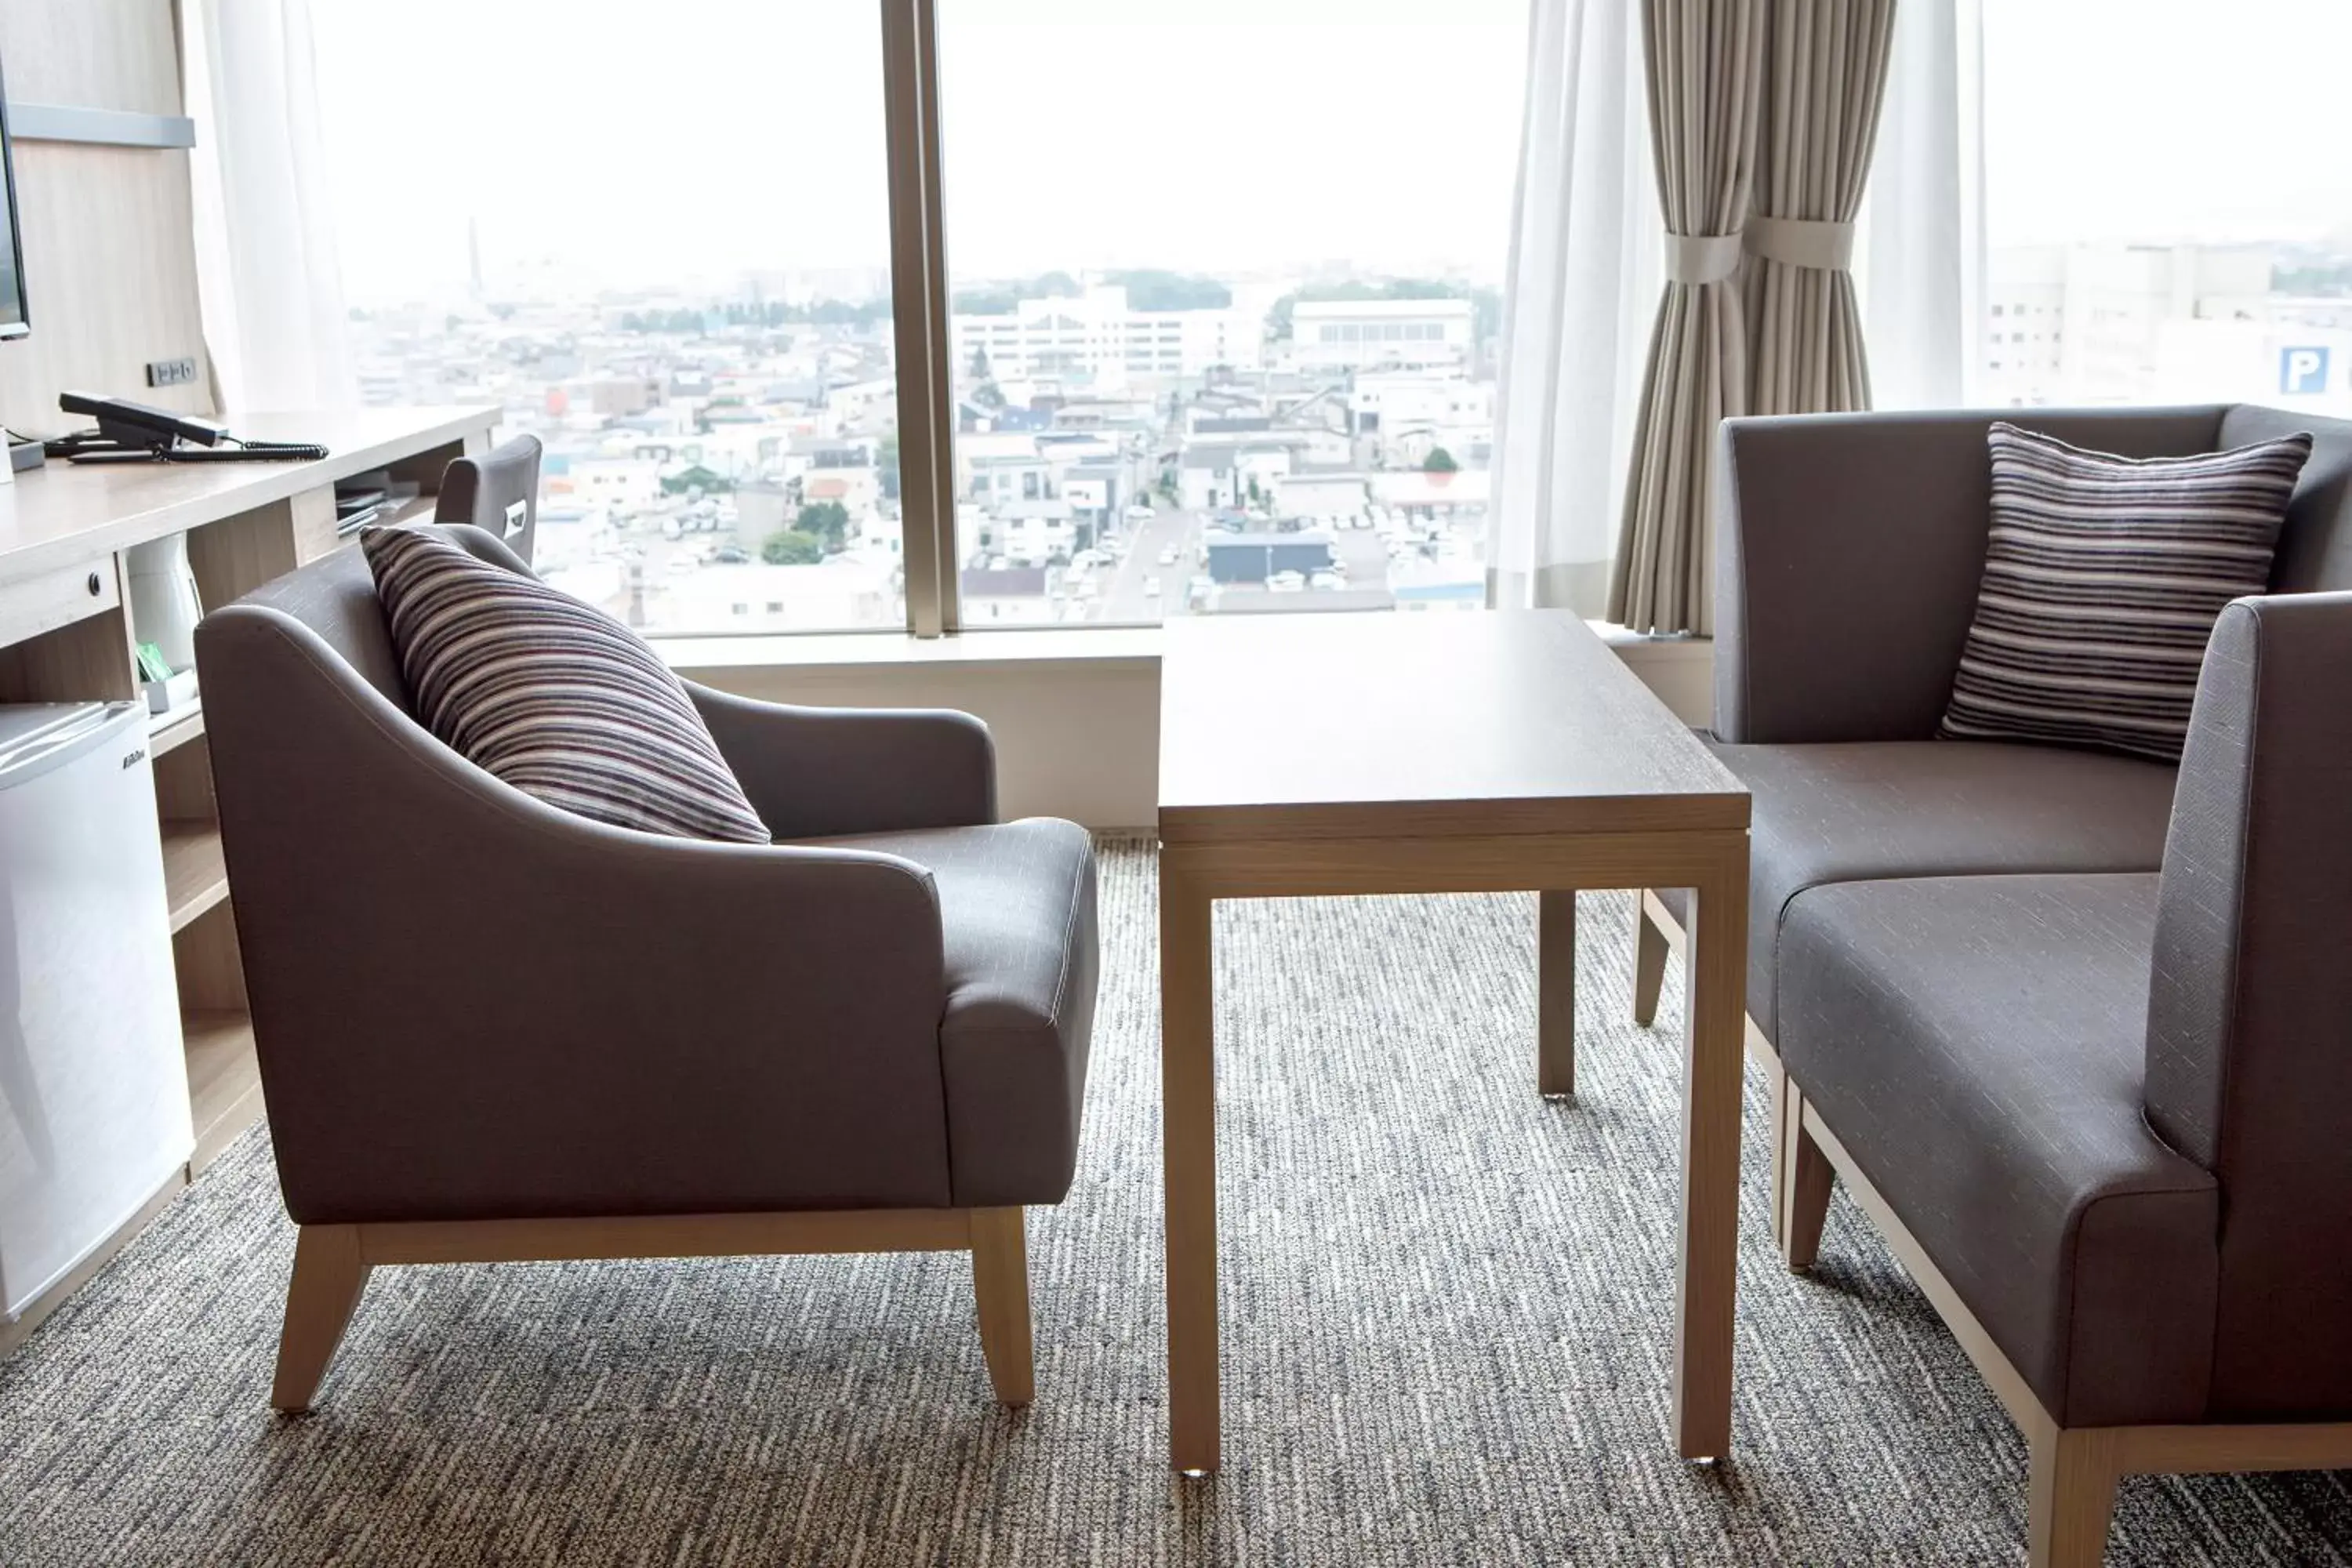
{"x":14,"y":321}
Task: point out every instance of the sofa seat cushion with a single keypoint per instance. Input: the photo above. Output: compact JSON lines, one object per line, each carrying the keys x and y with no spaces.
{"x":1858,"y":813}
{"x":1976,"y":1043}
{"x":1017,"y":914}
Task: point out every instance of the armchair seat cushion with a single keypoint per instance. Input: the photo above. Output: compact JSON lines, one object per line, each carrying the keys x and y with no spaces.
{"x":1976,"y":1043}
{"x":1874,"y":810}
{"x":1017,"y":915}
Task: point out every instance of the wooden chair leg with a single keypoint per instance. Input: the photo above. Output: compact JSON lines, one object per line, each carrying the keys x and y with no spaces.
{"x":1649,"y":963}
{"x":329,"y":1275}
{"x":1805,"y":1177}
{"x":1000,"y":1282}
{"x":1556,"y":995}
{"x":2072,"y":1497}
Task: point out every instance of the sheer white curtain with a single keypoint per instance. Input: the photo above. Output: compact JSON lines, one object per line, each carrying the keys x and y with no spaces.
{"x":1587,"y":266}
{"x":1922,"y":263}
{"x":267,"y":275}
{"x":1585,"y":271}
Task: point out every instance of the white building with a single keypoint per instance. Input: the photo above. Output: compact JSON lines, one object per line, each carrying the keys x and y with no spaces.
{"x":834,"y":595}
{"x":2087,"y":324}
{"x":622,"y":483}
{"x":1369,"y":334}
{"x":1212,"y":475}
{"x":1096,"y":337}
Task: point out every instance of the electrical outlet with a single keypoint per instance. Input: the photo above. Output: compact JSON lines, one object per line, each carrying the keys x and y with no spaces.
{"x":171,"y":371}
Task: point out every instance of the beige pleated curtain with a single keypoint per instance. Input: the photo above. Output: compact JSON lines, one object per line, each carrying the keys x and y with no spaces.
{"x":1763,"y":114}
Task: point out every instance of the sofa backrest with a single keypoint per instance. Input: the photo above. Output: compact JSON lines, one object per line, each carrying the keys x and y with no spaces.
{"x":2249,"y":1069}
{"x":1850,"y":547}
{"x":2315,"y":551}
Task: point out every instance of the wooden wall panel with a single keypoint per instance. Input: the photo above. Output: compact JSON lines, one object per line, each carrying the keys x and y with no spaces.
{"x":109,"y":235}
{"x":92,"y":54}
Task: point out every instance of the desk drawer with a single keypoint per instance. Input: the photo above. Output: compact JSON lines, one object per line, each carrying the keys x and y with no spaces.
{"x":31,"y":605}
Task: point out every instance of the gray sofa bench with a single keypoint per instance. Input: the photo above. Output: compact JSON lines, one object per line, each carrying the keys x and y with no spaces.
{"x":2075,"y":1030}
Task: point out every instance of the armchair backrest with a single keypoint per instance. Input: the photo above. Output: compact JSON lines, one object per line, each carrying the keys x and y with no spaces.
{"x":335,"y":597}
{"x":2249,"y":1069}
{"x":496,"y":492}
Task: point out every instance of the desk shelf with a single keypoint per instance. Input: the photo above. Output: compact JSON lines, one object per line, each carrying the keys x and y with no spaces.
{"x":67,"y":636}
{"x":169,"y":731}
{"x":224,"y":1081}
{"x":195,"y":874}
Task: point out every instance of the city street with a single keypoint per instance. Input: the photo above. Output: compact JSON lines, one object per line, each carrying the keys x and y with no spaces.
{"x":1121,"y":598}
{"x":1363,"y":554}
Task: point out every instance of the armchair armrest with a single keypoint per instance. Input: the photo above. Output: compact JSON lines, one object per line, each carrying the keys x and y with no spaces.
{"x":813,"y":773}
{"x":469,"y":1004}
{"x":1851,"y":548}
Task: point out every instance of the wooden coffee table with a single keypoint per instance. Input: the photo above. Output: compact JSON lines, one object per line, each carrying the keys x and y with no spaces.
{"x":1307,"y":755}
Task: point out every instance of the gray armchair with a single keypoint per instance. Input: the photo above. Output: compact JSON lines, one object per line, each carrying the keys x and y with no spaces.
{"x":2073,"y":1030}
{"x":491,"y":1030}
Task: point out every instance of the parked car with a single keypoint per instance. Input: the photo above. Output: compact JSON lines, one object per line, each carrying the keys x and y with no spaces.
{"x":1327,"y":580}
{"x":1152,"y":587}
{"x":1138,"y":512}
{"x":1169,"y":555}
{"x":1287,"y":582}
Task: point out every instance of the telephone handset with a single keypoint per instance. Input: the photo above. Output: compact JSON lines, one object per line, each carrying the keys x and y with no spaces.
{"x":134,"y":433}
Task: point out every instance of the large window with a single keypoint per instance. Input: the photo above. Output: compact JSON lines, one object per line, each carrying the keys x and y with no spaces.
{"x":2164,"y":221}
{"x":660,"y":236}
{"x":1221,"y":305}
{"x":1224,"y":301}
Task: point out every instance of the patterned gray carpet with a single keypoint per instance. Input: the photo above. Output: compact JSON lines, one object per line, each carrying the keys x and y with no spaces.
{"x":1446,"y":1318}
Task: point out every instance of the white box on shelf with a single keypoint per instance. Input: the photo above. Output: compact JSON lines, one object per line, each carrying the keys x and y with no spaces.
{"x":163,"y":696}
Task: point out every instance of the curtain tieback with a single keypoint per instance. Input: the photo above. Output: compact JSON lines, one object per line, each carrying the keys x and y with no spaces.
{"x":1701,"y":257}
{"x":1801,"y":242}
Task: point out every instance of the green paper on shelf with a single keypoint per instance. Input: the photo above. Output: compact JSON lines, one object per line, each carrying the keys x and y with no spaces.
{"x":151,"y":663}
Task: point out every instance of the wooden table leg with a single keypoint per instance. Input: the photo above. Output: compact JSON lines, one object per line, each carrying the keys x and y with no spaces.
{"x":1555,"y":993}
{"x":1716,"y":969}
{"x":1189,"y":1151}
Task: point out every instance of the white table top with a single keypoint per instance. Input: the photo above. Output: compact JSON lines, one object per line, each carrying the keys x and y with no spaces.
{"x":62,"y":514}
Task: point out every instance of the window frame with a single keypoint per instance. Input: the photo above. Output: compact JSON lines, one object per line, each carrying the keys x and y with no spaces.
{"x":920,"y":327}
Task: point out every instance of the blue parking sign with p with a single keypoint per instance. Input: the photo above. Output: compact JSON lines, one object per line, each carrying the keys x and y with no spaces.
{"x":2303,"y":371}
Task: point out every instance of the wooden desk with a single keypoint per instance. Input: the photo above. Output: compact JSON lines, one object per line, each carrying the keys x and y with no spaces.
{"x":66,"y":635}
{"x":1311,"y":756}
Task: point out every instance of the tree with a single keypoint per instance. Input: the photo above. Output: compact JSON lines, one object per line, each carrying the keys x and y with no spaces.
{"x":1440,"y":461}
{"x":981,"y":369}
{"x":828,"y":521}
{"x":793,"y":548}
{"x":887,"y":460}
{"x":695,"y":478}
{"x":1149,"y":288}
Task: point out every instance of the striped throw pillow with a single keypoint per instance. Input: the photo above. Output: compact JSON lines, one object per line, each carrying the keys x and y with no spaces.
{"x":2103,"y":580}
{"x":552,"y":695}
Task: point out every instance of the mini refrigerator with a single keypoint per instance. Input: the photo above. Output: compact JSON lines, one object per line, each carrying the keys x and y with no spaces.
{"x":93,"y":1085}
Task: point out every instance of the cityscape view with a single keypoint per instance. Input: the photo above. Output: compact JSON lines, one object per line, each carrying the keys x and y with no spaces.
{"x":1224,"y":296}
{"x":1127,"y":446}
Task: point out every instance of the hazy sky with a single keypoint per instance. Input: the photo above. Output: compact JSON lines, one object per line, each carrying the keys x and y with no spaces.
{"x":2167,"y":119}
{"x":616,"y":140}
{"x":703,"y":137}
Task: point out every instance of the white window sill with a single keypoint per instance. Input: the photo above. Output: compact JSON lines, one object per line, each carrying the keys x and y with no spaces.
{"x":1101,"y":646}
{"x":856,"y":650}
